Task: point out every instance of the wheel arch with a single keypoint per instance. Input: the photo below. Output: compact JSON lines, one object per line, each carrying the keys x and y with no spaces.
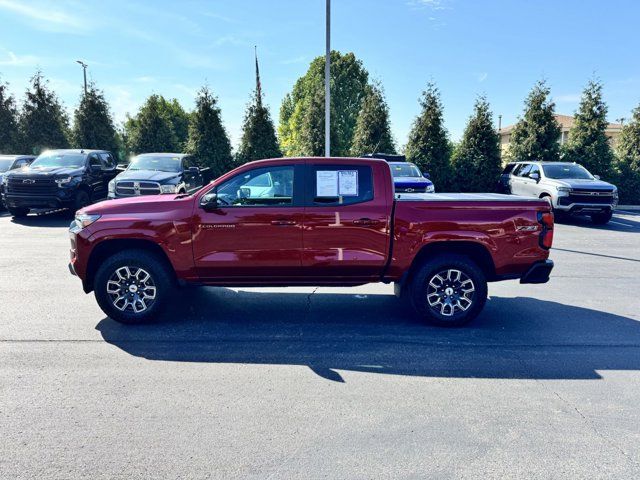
{"x":477,"y":252}
{"x":107,"y":248}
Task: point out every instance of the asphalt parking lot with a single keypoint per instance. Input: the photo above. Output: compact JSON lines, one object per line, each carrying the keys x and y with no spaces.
{"x":323,"y":383}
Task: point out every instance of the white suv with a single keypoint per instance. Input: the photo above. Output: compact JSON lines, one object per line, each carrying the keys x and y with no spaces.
{"x":570,"y":188}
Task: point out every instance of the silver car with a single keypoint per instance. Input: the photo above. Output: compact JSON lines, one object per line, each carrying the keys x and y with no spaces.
{"x":570,"y":188}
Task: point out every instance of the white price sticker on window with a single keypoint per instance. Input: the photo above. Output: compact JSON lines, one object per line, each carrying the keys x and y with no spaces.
{"x":348,"y":183}
{"x":326,"y":183}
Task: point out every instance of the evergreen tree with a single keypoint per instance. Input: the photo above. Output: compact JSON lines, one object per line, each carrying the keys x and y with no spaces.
{"x":373,"y":131}
{"x":348,"y":88}
{"x":535,"y":136}
{"x":258,"y":132}
{"x":476,"y":160}
{"x":179,"y":119}
{"x":208,"y":140}
{"x":428,"y":145}
{"x":628,"y":160}
{"x":588,"y":144}
{"x":93,"y":125}
{"x":43,"y":122}
{"x":9,"y":132}
{"x":151,"y":129}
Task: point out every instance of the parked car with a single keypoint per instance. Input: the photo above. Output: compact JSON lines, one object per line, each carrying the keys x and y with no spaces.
{"x":157,"y":173}
{"x":407,"y":177}
{"x":8,"y":163}
{"x":569,"y":187}
{"x":322,"y":221}
{"x":59,"y":179}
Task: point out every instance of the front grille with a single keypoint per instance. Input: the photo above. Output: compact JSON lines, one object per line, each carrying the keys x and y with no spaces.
{"x":411,"y":189}
{"x":31,"y":186}
{"x":598,"y":198}
{"x":128,"y":188}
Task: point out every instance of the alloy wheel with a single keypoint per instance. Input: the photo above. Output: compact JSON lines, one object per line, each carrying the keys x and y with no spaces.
{"x":449,"y":292}
{"x":131,"y":289}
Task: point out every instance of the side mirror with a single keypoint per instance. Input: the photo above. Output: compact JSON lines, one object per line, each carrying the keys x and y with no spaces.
{"x":194,"y":170}
{"x":597,"y":177}
{"x":209,"y":202}
{"x":426,"y":175}
{"x":244,"y":192}
{"x":535,"y":176}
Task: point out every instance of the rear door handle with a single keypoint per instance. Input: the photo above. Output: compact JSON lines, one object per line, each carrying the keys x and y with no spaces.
{"x":366,"y":221}
{"x":283,"y":222}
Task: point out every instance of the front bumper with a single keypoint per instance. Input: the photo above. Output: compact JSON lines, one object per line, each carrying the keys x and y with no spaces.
{"x":63,"y":199}
{"x":538,"y":272}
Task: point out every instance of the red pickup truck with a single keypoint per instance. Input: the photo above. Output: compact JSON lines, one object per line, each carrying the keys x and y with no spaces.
{"x":310,"y":221}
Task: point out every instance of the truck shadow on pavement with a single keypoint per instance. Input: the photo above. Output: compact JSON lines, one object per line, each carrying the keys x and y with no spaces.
{"x":45,"y":218}
{"x":629,"y":223}
{"x":514,"y":338}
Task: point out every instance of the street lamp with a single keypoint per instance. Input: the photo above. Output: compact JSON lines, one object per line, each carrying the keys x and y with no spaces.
{"x":84,"y":71}
{"x":327,"y":87}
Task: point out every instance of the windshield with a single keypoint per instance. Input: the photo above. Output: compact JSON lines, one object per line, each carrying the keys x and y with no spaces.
{"x":53,"y":159}
{"x":566,"y":171}
{"x":5,"y":163}
{"x":405,"y":170}
{"x":160,"y":164}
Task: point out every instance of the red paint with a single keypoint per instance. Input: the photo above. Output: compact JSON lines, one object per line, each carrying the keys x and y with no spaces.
{"x":308,"y":244}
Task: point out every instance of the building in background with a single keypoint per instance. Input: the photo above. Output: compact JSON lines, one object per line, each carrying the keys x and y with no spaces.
{"x":566,"y":122}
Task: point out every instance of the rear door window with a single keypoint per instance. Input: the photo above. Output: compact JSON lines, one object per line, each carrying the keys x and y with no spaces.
{"x":338,"y":185}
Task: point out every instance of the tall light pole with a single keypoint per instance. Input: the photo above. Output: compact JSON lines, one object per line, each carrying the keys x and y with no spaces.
{"x":84,"y":71}
{"x":327,"y":87}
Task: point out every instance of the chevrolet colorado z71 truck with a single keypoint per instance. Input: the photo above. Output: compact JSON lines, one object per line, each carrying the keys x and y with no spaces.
{"x":310,"y":221}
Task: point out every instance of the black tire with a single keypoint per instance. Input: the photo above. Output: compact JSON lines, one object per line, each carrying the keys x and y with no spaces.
{"x":82,"y":199}
{"x":18,"y":212}
{"x":446,"y":313}
{"x":139,"y":263}
{"x":602,"y":218}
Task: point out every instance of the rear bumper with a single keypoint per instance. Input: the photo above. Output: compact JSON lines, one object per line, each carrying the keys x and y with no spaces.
{"x":538,"y":272}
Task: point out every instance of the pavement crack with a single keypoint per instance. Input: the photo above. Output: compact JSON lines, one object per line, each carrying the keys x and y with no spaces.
{"x":584,"y":418}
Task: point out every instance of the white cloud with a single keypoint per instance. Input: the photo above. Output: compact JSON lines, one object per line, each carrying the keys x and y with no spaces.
{"x":145,"y":79}
{"x":482,"y":76}
{"x":431,"y":4}
{"x":46,"y":16}
{"x":11,"y":59}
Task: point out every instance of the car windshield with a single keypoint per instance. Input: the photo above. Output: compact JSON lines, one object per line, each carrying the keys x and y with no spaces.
{"x":53,"y":159}
{"x":566,"y":171}
{"x":405,"y":170}
{"x":159,"y":163}
{"x":5,"y":163}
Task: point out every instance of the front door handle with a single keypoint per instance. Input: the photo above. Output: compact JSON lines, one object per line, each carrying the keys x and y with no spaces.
{"x":283,"y":222}
{"x":366,"y":221}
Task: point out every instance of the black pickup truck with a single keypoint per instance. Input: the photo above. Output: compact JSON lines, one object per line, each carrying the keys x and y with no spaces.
{"x":157,"y":173}
{"x":8,"y":163}
{"x":59,"y":179}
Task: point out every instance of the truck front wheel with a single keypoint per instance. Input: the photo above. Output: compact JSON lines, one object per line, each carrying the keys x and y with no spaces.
{"x":448,"y":290}
{"x":132,"y":286}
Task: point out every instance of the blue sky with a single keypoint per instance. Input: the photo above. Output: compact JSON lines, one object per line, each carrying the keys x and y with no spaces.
{"x":499,"y":48}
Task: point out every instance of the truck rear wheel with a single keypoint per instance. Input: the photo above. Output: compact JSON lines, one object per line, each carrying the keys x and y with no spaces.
{"x":449,"y":290}
{"x":132,"y":286}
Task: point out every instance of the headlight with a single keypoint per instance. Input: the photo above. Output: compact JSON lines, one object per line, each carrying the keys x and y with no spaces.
{"x":83,"y":220}
{"x":167,"y":189}
{"x":430,"y":189}
{"x":5,"y":180}
{"x":112,"y":186}
{"x":63,"y":181}
{"x":564,"y":189}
